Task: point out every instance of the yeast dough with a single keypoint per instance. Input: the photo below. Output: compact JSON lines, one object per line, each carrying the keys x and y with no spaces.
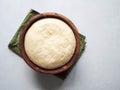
{"x":50,"y":43}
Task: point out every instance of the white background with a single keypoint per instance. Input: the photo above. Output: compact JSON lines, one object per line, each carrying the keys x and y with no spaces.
{"x":99,"y":66}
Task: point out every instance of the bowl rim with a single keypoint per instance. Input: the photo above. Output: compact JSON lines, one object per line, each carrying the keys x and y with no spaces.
{"x":28,"y":24}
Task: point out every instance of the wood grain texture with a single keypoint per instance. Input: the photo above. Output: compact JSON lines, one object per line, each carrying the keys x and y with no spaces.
{"x":28,"y":25}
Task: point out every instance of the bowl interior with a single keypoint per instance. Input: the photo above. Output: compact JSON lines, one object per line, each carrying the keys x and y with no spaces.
{"x":28,"y":25}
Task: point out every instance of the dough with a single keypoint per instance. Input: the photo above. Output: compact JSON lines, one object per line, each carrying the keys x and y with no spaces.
{"x":50,"y":43}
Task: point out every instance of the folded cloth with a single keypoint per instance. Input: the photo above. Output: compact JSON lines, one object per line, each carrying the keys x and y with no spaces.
{"x":13,"y":45}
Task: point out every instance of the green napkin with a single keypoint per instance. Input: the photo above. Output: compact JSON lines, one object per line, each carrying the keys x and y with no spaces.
{"x":13,"y":45}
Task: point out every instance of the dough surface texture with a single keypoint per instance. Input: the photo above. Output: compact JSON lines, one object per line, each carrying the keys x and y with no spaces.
{"x":49,"y":43}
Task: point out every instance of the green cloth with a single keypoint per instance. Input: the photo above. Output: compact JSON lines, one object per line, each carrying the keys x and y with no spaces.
{"x":13,"y":45}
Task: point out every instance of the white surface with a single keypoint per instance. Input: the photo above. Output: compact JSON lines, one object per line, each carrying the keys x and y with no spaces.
{"x":99,"y":66}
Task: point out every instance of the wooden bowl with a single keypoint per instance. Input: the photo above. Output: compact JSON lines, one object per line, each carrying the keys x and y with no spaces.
{"x":28,"y":25}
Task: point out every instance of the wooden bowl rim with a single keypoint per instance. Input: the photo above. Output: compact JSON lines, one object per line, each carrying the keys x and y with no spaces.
{"x":28,"y":24}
